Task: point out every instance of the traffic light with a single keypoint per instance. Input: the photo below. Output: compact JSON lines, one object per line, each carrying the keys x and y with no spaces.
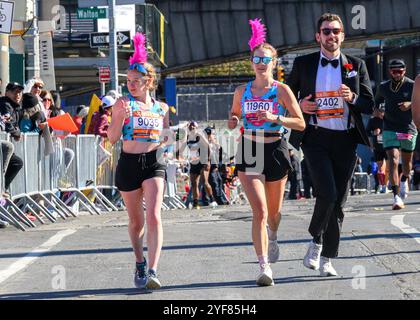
{"x":280,"y":73}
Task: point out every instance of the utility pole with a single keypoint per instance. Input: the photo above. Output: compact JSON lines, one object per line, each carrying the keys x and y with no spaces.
{"x":4,"y":61}
{"x":32,"y":46}
{"x":113,"y":48}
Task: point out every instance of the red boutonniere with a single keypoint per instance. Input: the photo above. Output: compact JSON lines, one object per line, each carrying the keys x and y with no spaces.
{"x":348,"y":67}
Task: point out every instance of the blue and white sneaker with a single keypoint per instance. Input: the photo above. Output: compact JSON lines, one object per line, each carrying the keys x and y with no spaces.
{"x":152,"y":280}
{"x":140,"y":277}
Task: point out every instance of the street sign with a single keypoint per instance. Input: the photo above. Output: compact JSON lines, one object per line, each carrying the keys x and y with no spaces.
{"x":101,"y":39}
{"x":104,"y":74}
{"x":6,"y":16}
{"x":95,"y":3}
{"x":92,"y":13}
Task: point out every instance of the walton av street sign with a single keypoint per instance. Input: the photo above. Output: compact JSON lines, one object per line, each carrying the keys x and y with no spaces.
{"x":91,"y":13}
{"x":95,"y":3}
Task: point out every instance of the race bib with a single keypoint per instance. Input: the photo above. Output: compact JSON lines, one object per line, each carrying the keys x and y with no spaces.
{"x":404,"y":136}
{"x":330,"y":105}
{"x":147,"y":123}
{"x":147,"y":126}
{"x":252,"y":106}
{"x":194,"y":155}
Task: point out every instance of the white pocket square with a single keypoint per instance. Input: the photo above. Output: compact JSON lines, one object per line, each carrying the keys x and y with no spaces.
{"x":352,"y":74}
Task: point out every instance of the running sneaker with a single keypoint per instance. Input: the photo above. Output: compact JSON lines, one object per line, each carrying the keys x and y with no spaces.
{"x":273,"y":251}
{"x":404,"y":189}
{"x":213,"y":204}
{"x":312,"y":256}
{"x":265,"y":278}
{"x":383,"y":189}
{"x":326,"y":269}
{"x":398,"y":203}
{"x":152,"y":280}
{"x":140,"y":277}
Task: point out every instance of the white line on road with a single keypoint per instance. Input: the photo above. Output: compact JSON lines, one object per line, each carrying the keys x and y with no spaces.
{"x":398,"y":221}
{"x":34,"y":254}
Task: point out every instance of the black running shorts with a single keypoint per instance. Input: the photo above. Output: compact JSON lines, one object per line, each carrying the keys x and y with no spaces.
{"x":275,"y":164}
{"x":134,"y":168}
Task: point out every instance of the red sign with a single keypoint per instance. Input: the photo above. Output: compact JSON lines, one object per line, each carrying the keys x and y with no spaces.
{"x":104,"y":74}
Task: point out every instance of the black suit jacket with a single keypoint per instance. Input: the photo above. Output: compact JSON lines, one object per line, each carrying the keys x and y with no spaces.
{"x":302,"y":81}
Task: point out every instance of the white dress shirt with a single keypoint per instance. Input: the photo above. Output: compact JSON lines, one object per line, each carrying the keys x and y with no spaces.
{"x":329,"y":79}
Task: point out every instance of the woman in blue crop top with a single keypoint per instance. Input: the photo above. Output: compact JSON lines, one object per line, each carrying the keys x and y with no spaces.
{"x":262,"y":159}
{"x":140,"y":173}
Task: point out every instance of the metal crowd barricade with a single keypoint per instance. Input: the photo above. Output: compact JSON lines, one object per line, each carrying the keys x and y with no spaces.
{"x":171,"y":199}
{"x":52,"y":166}
{"x":107,"y":158}
{"x":86,"y":191}
{"x":362,"y":182}
{"x":47,"y":177}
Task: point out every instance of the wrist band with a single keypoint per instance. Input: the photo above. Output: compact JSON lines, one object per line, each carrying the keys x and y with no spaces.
{"x":237,"y":119}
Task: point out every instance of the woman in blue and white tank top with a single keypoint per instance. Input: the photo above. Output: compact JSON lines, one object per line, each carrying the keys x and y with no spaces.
{"x":140,"y":173}
{"x":262,"y":159}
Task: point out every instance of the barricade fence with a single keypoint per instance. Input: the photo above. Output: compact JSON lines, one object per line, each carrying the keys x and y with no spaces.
{"x":58,"y":177}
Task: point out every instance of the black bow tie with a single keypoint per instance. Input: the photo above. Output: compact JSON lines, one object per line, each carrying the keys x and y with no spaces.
{"x":334,"y":62}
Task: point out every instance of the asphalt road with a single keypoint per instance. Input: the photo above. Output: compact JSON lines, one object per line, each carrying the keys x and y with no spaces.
{"x":208,"y":254}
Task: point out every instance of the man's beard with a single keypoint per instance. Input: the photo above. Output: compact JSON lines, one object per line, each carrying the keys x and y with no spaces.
{"x":330,"y":48}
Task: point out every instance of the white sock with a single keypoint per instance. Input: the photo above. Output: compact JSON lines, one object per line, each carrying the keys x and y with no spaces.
{"x":262,"y":260}
{"x":272,"y":235}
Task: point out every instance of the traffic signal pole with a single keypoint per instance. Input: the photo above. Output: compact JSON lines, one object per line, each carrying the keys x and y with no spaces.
{"x":113,"y":48}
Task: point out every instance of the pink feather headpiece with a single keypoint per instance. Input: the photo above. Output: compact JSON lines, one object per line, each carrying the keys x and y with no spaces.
{"x":140,"y":50}
{"x":258,"y":33}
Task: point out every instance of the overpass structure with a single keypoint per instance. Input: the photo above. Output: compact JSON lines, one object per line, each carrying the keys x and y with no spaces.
{"x":201,"y":32}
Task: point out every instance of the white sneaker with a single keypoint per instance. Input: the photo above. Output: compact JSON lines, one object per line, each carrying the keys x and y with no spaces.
{"x":265,"y":278}
{"x":273,"y":251}
{"x":326,"y":269}
{"x":398,"y":203}
{"x":213,"y":204}
{"x":404,"y":189}
{"x":311,"y":259}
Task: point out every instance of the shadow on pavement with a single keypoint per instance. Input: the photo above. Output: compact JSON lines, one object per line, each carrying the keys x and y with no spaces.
{"x":202,"y":246}
{"x":86,"y":294}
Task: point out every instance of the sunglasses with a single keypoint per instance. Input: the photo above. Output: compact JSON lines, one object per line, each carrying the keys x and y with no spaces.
{"x":264,"y":60}
{"x":139,"y":67}
{"x":397,"y":71}
{"x":38,"y":86}
{"x":327,"y":31}
{"x":46,"y":99}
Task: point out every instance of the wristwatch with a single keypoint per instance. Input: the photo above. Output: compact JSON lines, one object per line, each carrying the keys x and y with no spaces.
{"x":280,"y":119}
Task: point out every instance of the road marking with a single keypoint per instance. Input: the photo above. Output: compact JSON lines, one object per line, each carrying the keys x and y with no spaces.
{"x":399,"y":223}
{"x":34,"y":254}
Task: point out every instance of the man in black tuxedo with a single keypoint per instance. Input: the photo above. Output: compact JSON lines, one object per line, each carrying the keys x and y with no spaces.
{"x":333,"y":89}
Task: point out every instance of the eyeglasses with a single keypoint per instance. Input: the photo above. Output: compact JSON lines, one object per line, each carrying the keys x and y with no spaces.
{"x":264,"y":60}
{"x":327,"y":31}
{"x":397,"y":71}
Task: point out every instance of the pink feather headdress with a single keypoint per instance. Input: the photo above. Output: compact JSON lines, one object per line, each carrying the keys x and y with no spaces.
{"x":140,"y":50}
{"x":258,"y":33}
